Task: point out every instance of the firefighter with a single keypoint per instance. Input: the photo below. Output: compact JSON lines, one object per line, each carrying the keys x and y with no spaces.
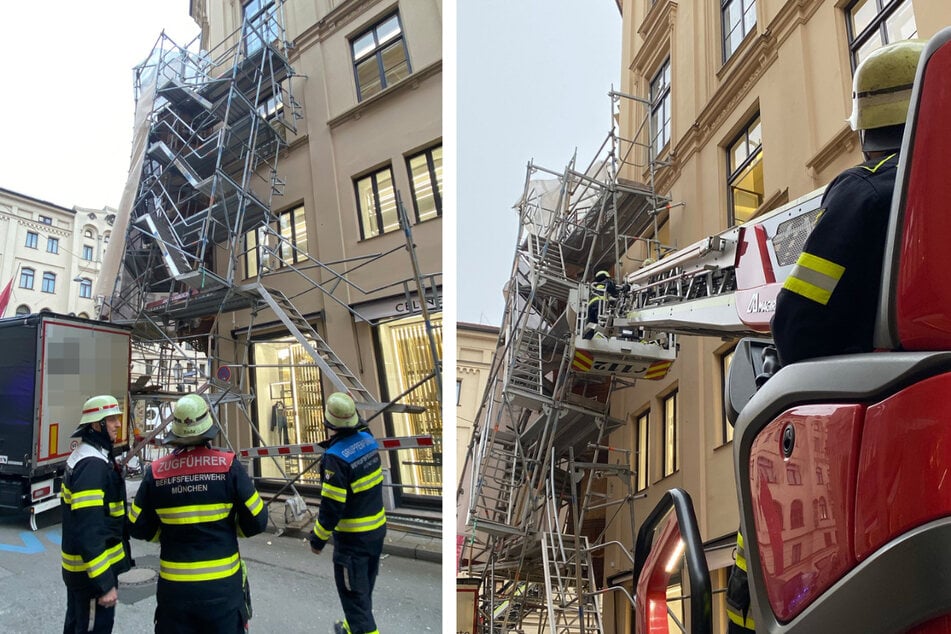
{"x":351,"y":508}
{"x":603,"y":288}
{"x":94,"y":549}
{"x":829,"y":302}
{"x":196,"y":502}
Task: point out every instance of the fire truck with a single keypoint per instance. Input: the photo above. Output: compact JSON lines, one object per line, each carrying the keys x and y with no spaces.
{"x":882,"y":560}
{"x":50,"y":365}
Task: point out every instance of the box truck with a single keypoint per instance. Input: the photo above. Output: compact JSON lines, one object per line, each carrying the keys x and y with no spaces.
{"x":49,"y":365}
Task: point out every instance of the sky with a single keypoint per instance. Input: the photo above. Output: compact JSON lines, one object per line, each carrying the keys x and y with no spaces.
{"x":533,"y":78}
{"x":67,"y":106}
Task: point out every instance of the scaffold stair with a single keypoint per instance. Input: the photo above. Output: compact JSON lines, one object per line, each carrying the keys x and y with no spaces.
{"x":573,"y":608}
{"x":498,"y":484}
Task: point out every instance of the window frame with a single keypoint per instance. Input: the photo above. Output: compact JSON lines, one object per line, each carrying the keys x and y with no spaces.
{"x":735,"y":174}
{"x":52,"y":245}
{"x":642,"y":454}
{"x":252,"y":252}
{"x":49,"y":279}
{"x":377,"y":53}
{"x":27,"y":278}
{"x":725,"y":36}
{"x":661,"y":102}
{"x":725,"y":359}
{"x":85,"y":288}
{"x":91,"y":253}
{"x":45,"y":220}
{"x":670,"y":461}
{"x":32,"y":240}
{"x":435,"y":181}
{"x":885,"y":9}
{"x":377,"y":208}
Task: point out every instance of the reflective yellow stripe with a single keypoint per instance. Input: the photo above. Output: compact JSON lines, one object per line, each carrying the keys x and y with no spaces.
{"x":320,"y":531}
{"x":75,"y":563}
{"x":880,"y":163}
{"x":367,"y":482}
{"x":86,"y":499}
{"x":254,"y":503}
{"x":194,"y":514}
{"x":814,"y":278}
{"x":362,"y":524}
{"x":116,"y":509}
{"x":332,"y":492}
{"x":738,"y":619}
{"x":134,"y":512}
{"x":199,"y":570}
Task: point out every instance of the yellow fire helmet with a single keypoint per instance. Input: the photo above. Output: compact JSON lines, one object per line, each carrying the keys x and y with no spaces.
{"x":881,"y":88}
{"x":192,"y":422}
{"x":341,"y":412}
{"x":97,"y":408}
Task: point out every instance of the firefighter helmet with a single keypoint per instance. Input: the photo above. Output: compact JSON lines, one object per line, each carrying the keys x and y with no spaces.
{"x":341,"y":412}
{"x":601,"y":275}
{"x":881,"y":93}
{"x":192,"y":421}
{"x":97,"y":408}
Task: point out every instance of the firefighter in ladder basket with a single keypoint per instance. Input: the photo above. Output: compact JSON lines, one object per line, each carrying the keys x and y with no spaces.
{"x":196,"y":502}
{"x":351,"y":509}
{"x":828,"y":304}
{"x":602,"y":291}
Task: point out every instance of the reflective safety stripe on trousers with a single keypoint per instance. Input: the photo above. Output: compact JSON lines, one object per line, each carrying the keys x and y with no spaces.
{"x":199,"y":570}
{"x":98,"y":565}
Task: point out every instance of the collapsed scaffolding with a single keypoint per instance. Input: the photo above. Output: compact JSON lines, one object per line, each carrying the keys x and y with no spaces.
{"x":209,"y":129}
{"x":535,"y":480}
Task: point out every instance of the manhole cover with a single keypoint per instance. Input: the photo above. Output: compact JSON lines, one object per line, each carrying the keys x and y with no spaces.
{"x":137,"y":576}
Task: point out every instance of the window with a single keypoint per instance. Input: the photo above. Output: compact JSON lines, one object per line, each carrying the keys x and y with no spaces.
{"x":642,"y":426}
{"x":725,"y":427}
{"x":46,"y":220}
{"x":292,"y":228}
{"x":49,"y":282}
{"x":85,"y":288}
{"x":765,"y":470}
{"x":259,"y":25}
{"x":670,"y":434}
{"x":22,"y":309}
{"x":660,"y":108}
{"x":87,"y":252}
{"x":796,"y":516}
{"x":31,"y":239}
{"x":88,"y":233}
{"x":739,"y":18}
{"x":745,"y":156}
{"x":796,"y":555}
{"x":380,"y":58}
{"x":874,"y":23}
{"x":793,"y":474}
{"x":376,"y":203}
{"x":52,"y":245}
{"x":425,"y":171}
{"x":458,"y":392}
{"x":26,"y":278}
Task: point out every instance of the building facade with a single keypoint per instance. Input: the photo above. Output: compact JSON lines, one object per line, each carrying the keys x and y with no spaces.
{"x":367,"y":96}
{"x":475,"y":348}
{"x":748,"y":107}
{"x":52,"y":254}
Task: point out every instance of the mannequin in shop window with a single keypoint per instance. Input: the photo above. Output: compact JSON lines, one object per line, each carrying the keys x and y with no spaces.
{"x":279,"y":422}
